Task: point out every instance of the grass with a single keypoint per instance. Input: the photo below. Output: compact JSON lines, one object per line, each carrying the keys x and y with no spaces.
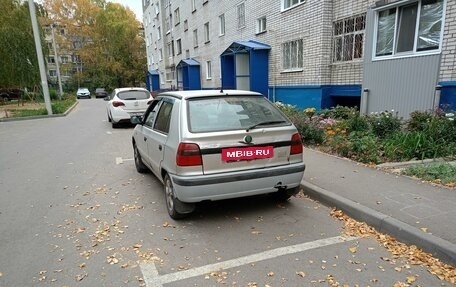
{"x":441,"y":173}
{"x":38,"y":109}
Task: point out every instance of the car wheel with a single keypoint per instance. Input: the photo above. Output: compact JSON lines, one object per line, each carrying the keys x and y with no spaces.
{"x":114,"y":125}
{"x":171,"y":200}
{"x":140,"y":166}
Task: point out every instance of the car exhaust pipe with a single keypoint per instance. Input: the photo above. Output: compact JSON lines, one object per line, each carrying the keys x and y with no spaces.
{"x":280,"y":185}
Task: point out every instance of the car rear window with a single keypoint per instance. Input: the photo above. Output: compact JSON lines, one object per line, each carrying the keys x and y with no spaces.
{"x":232,"y":113}
{"x":133,"y":95}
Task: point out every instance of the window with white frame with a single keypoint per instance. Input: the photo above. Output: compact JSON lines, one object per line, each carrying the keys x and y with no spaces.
{"x":178,"y":46}
{"x":222,"y":25}
{"x":64,"y":59}
{"x":208,"y":70}
{"x":157,"y":9}
{"x":160,"y":54}
{"x":260,"y":25}
{"x":158,"y":33}
{"x":176,"y":16}
{"x":206,"y":33}
{"x":51,"y":60}
{"x":293,"y":55}
{"x":52,"y":73}
{"x":195,"y":38}
{"x":287,"y":4}
{"x":170,"y":47}
{"x":241,"y":15}
{"x":413,"y":28}
{"x":348,"y":39}
{"x":185,"y":25}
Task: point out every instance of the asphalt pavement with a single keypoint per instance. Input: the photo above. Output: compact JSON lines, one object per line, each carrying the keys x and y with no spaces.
{"x":413,"y":211}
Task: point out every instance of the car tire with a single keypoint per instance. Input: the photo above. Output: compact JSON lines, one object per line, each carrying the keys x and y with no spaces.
{"x":114,"y":125}
{"x":109,"y":118}
{"x":171,"y":200}
{"x":140,"y":166}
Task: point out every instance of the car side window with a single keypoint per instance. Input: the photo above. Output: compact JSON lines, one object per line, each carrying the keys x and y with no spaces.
{"x":151,"y":114}
{"x":163,"y":117}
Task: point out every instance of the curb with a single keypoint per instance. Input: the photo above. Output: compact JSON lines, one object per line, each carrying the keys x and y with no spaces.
{"x":40,"y":117}
{"x":404,"y":232}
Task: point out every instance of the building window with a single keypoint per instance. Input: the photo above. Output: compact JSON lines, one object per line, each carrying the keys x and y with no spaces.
{"x":241,"y":15}
{"x":349,"y":38}
{"x":410,"y":29}
{"x":261,"y":25}
{"x":287,"y":4}
{"x":185,"y":25}
{"x":160,"y":54}
{"x":179,"y":46}
{"x":52,"y":73}
{"x":208,"y":70}
{"x":193,"y":5}
{"x":51,"y":60}
{"x":64,"y":59}
{"x":195,"y":38}
{"x":222,"y":25}
{"x":158,"y":33}
{"x":206,"y":33}
{"x":176,"y":17}
{"x":292,"y":55}
{"x":170,"y":49}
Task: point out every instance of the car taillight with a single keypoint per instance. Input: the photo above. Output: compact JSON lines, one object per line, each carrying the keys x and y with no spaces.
{"x":117,"y":104}
{"x":188,"y":154}
{"x":296,"y":144}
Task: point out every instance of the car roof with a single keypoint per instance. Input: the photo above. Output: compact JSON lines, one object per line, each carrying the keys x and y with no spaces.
{"x":208,"y":93}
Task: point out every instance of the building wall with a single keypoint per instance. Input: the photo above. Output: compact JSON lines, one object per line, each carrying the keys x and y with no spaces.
{"x":321,"y":82}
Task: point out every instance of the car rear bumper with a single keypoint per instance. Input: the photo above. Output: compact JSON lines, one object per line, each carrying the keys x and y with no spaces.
{"x":120,"y":115}
{"x":237,"y":184}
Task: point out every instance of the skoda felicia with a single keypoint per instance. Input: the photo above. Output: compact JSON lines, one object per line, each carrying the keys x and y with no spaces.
{"x":214,"y":145}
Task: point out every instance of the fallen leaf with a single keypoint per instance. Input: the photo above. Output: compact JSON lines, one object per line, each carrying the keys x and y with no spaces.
{"x":411,"y":279}
{"x":270,"y":274}
{"x":301,"y":273}
{"x":424,"y":229}
{"x":81,"y":276}
{"x":352,"y":249}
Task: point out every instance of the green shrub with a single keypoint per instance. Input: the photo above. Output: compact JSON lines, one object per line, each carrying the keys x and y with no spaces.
{"x":364,"y":147}
{"x":357,"y":123}
{"x":419,"y":120}
{"x":385,"y":124}
{"x":311,"y":134}
{"x":60,"y":107}
{"x":339,"y":112}
{"x":415,"y":145}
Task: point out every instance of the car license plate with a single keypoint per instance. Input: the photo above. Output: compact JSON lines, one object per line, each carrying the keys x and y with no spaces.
{"x":249,"y":153}
{"x":136,"y":114}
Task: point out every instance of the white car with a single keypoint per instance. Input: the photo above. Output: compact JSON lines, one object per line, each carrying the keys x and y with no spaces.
{"x":83,"y":93}
{"x":125,"y":103}
{"x":215,"y":145}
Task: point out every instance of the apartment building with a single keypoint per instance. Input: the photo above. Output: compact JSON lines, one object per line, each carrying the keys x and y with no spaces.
{"x":377,"y":55}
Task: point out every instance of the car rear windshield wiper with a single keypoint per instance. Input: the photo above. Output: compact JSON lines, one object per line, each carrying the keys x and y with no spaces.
{"x":129,"y":99}
{"x":265,"y":124}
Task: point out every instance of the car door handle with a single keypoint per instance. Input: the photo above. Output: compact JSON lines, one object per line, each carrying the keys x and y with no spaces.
{"x":145,"y":139}
{"x":160,"y":147}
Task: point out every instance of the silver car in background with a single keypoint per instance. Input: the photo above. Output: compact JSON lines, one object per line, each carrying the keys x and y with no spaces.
{"x":215,"y":145}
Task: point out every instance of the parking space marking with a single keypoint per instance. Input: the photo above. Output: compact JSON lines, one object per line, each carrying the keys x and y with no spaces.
{"x":120,"y":160}
{"x":153,"y":279}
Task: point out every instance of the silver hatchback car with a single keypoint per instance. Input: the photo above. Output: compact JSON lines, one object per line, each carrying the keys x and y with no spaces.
{"x":214,"y":145}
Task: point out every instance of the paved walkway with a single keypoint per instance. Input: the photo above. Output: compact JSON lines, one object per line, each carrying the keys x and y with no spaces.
{"x":412,"y":211}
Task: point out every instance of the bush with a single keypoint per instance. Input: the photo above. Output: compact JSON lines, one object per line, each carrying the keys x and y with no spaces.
{"x":358,"y":123}
{"x":418,"y":121}
{"x":339,"y":113}
{"x":441,"y":172}
{"x":385,"y":124}
{"x":364,"y":147}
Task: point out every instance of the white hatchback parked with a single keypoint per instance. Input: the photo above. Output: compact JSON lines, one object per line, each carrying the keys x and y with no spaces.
{"x":125,"y":103}
{"x":214,"y":145}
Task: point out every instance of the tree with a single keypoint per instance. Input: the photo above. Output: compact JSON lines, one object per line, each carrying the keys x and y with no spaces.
{"x":111,"y":50}
{"x":19,"y":66}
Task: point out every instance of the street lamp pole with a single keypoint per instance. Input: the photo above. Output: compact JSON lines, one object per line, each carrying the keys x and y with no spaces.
{"x":39,"y":54}
{"x":57,"y":64}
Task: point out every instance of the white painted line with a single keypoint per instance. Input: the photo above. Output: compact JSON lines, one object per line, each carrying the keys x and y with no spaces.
{"x":153,"y":279}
